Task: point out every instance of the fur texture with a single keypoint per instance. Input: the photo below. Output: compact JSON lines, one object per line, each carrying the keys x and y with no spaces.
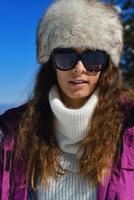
{"x":80,"y":23}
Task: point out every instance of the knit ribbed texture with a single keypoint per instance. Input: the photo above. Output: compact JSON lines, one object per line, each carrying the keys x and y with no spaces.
{"x":69,"y":186}
{"x":71,"y":124}
{"x":71,"y":128}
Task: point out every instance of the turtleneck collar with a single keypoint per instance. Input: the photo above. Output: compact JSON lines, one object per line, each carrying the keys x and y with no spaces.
{"x":72,"y":125}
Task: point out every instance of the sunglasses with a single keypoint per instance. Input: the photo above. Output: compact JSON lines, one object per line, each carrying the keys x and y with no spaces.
{"x":66,"y":59}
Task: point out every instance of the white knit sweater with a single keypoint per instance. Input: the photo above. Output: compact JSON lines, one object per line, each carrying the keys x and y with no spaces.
{"x":71,"y":127}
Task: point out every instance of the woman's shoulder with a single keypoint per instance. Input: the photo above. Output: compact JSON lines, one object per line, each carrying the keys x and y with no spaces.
{"x":129,"y":114}
{"x":9,"y":120}
{"x":128,"y":109}
{"x":129,"y":126}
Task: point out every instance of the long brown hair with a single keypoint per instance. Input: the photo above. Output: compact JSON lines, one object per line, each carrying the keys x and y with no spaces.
{"x":100,"y":148}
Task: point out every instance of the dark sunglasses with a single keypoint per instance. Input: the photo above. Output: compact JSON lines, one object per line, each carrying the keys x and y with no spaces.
{"x":93,"y":60}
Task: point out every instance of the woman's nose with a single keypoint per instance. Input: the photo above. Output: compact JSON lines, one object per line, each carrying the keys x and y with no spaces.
{"x":79,"y":68}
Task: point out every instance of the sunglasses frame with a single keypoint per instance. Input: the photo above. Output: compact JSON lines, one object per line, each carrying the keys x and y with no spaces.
{"x":79,"y":57}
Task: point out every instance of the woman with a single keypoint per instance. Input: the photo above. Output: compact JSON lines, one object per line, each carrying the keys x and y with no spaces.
{"x":73,"y":139}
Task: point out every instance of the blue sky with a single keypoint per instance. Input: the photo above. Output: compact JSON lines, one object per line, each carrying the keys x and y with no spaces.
{"x":18,"y":65}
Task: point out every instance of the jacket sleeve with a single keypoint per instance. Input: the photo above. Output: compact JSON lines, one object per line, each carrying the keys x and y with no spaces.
{"x":3,"y":133}
{"x":126,"y":181}
{"x":1,"y":160}
{"x":9,"y":123}
{"x":6,"y":148}
{"x":122,"y":177}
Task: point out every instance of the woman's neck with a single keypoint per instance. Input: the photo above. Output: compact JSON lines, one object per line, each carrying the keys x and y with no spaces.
{"x":73,"y":103}
{"x":71,"y":125}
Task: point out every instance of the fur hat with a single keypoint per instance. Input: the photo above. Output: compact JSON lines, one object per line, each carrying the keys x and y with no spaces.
{"x":80,"y":23}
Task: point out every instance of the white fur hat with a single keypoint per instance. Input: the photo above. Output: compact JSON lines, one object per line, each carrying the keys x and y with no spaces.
{"x":80,"y":23}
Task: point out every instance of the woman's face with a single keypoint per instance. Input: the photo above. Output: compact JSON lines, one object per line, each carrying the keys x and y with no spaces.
{"x":77,"y":84}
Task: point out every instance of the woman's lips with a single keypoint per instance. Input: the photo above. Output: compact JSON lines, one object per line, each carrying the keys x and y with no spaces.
{"x":77,"y":82}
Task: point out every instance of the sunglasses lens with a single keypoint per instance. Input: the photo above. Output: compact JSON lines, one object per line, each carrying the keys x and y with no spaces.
{"x":65,"y":59}
{"x":94,"y":60}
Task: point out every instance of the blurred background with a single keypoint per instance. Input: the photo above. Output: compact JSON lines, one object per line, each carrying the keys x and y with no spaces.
{"x":18,"y":65}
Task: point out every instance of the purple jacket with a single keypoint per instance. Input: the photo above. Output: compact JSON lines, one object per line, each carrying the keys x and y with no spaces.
{"x":119,"y":185}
